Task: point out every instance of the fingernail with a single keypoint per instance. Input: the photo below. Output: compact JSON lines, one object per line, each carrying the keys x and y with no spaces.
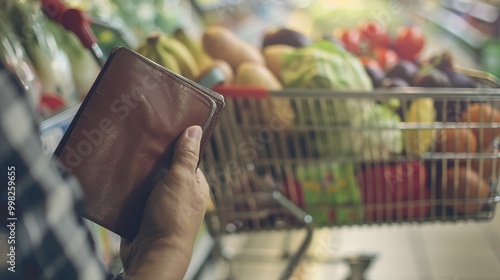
{"x":195,"y":133}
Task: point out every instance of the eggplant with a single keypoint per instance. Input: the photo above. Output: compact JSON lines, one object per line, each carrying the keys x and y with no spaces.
{"x":443,"y":62}
{"x":459,"y":80}
{"x":376,"y":75}
{"x":285,"y":36}
{"x":431,"y":77}
{"x":404,"y":69}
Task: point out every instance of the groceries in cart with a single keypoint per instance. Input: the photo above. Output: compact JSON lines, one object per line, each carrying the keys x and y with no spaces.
{"x":353,"y":114}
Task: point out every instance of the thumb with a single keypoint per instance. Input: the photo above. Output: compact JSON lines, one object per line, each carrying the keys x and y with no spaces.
{"x":187,"y":149}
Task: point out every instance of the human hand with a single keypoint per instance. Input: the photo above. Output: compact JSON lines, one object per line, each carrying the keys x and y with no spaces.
{"x":172,"y":217}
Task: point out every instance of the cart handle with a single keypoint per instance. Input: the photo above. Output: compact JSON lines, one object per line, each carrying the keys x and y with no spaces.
{"x":77,"y":22}
{"x":241,"y":91}
{"x":73,"y":20}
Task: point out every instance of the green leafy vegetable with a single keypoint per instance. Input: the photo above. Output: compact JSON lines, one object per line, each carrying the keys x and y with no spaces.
{"x":324,"y":65}
{"x":351,"y":127}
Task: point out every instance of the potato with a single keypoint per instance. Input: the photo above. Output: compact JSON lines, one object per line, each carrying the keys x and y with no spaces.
{"x":456,"y":141}
{"x":277,"y":111}
{"x":491,"y":168}
{"x":221,"y":43}
{"x":468,"y":186}
{"x":253,"y":74}
{"x":274,"y":56}
{"x":482,"y":113}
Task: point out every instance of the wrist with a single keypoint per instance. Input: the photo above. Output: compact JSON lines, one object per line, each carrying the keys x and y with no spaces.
{"x":166,"y":258}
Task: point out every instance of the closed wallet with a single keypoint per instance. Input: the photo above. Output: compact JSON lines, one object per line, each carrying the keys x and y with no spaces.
{"x":121,"y":141}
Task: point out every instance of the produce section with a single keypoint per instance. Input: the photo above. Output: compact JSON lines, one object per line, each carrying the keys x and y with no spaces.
{"x":324,"y":127}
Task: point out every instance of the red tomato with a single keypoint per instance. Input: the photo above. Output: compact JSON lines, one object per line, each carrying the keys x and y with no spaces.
{"x":369,"y":62}
{"x":375,"y":35}
{"x":351,"y":40}
{"x":409,"y":42}
{"x":385,"y":57}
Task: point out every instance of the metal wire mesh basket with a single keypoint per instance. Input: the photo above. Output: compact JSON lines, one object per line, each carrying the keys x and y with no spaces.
{"x":337,"y":157}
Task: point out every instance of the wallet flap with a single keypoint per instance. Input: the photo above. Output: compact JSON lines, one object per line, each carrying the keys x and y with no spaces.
{"x":122,"y":138}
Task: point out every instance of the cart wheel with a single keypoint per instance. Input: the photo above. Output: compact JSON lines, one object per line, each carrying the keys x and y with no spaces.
{"x":358,"y":265}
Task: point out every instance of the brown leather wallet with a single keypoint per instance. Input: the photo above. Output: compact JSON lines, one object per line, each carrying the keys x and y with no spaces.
{"x":121,"y":141}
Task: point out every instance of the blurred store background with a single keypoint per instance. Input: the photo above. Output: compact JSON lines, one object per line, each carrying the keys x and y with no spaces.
{"x":446,"y":45}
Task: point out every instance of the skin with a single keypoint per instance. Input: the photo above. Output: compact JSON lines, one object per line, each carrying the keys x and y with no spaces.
{"x":172,"y":217}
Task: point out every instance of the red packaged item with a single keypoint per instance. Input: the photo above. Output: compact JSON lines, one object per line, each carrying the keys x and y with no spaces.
{"x":394,"y":191}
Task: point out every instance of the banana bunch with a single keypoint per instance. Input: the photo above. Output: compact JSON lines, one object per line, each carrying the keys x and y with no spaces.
{"x":200,"y":56}
{"x":179,"y":54}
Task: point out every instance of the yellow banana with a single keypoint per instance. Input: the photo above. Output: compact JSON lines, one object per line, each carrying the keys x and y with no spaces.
{"x":201,"y":58}
{"x":142,"y":47}
{"x":151,"y":50}
{"x":143,"y":50}
{"x":153,"y":56}
{"x":168,"y":61}
{"x":185,"y":60}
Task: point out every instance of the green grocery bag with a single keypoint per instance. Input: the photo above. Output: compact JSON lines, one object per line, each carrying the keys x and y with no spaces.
{"x":332,"y":195}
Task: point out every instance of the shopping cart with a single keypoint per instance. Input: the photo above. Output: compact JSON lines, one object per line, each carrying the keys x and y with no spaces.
{"x":261,"y":167}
